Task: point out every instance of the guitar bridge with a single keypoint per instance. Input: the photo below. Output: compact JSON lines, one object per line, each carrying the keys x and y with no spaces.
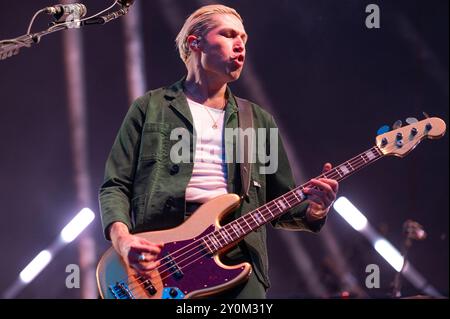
{"x":121,"y":291}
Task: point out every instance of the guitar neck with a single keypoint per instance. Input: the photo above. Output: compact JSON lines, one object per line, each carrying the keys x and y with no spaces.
{"x":239,"y":228}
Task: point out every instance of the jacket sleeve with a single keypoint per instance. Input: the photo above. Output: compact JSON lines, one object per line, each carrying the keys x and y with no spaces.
{"x":281,"y":182}
{"x":116,"y":191}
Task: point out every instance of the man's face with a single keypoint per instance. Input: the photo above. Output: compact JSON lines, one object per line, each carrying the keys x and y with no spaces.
{"x":223,"y":50}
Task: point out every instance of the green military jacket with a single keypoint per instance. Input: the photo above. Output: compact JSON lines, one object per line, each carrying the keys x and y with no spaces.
{"x":145,"y":190}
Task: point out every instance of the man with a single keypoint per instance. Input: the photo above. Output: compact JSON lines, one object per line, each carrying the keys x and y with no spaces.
{"x":144,"y":190}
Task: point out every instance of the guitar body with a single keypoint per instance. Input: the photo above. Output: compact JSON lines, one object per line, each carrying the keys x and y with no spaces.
{"x":187,"y":270}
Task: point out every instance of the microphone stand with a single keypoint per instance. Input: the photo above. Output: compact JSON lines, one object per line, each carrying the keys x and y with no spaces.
{"x":9,"y":48}
{"x":396,"y":293}
{"x":413,"y":231}
{"x":13,"y":46}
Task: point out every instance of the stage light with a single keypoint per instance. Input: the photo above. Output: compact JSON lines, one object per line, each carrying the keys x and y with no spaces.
{"x":350,"y":213}
{"x":35,"y":266}
{"x":392,"y":255}
{"x":77,"y":225}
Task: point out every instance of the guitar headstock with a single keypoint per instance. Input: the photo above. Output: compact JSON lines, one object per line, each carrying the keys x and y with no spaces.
{"x":403,"y":140}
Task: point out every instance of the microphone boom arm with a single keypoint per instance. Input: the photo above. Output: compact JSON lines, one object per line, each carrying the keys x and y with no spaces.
{"x":11,"y":47}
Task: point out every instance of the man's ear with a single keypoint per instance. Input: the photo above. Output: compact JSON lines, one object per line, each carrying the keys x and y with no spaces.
{"x":193,"y":42}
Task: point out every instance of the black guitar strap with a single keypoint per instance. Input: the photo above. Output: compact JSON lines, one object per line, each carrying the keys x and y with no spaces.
{"x":246,"y":149}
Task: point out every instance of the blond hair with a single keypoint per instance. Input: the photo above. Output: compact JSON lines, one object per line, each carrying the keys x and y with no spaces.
{"x":200,"y":23}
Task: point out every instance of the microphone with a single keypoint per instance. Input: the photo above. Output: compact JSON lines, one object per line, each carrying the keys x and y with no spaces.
{"x":414,"y":230}
{"x":60,"y":10}
{"x":125,"y":3}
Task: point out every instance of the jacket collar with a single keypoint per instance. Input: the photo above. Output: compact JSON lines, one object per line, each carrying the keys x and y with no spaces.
{"x":174,"y":94}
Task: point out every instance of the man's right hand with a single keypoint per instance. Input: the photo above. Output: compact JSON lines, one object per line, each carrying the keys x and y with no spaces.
{"x":137,"y":252}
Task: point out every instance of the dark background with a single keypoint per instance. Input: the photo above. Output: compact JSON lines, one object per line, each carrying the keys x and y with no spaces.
{"x":331,"y":82}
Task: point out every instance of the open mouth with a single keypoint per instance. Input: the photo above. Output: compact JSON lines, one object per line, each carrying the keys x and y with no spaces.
{"x":238,"y":60}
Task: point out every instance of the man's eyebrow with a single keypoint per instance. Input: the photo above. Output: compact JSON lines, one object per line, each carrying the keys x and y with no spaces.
{"x":227,"y":29}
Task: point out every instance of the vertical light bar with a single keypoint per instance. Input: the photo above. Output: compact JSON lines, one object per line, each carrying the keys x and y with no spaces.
{"x":134,"y":52}
{"x":77,"y":225}
{"x":350,"y":213}
{"x":78,"y":119}
{"x":392,"y":255}
{"x":35,"y":266}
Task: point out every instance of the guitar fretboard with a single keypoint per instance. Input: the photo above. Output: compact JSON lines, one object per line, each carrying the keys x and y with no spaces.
{"x":239,"y":228}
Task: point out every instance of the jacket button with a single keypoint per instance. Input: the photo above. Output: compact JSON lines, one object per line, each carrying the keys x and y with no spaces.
{"x":174,"y":169}
{"x":169,"y":202}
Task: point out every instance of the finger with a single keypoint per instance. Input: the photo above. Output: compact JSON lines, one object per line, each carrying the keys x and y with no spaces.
{"x":321,"y":184}
{"x":316,"y":198}
{"x":146,"y":266}
{"x":317,"y":212}
{"x":326,"y":184}
{"x":334,"y":184}
{"x":327,"y":167}
{"x":152,"y":249}
{"x":145,"y":242}
{"x":320,"y":197}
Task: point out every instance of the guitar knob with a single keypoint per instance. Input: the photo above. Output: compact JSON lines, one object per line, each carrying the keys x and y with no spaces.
{"x":428,"y":127}
{"x":397,"y":124}
{"x":173,"y":292}
{"x":399,"y":136}
{"x":413,"y":131}
{"x":384,"y":142}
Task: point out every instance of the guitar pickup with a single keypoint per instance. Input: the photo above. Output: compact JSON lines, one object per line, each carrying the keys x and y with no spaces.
{"x":148,"y":286}
{"x":173,"y":268}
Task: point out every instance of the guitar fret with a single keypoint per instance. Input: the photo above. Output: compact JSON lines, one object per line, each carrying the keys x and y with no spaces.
{"x":269,"y":211}
{"x":251,"y":215}
{"x":220,"y":233}
{"x":207,"y":246}
{"x":232,"y":227}
{"x":276,"y":204}
{"x":369,"y":155}
{"x":259,"y":217}
{"x":244,"y":218}
{"x":227,"y":235}
{"x":300,"y":194}
{"x":214,"y":241}
{"x":285,"y":201}
{"x":242,"y":229}
{"x":236,"y":227}
{"x":344,"y":169}
{"x":378,"y":151}
{"x":362,"y":156}
{"x":350,"y":165}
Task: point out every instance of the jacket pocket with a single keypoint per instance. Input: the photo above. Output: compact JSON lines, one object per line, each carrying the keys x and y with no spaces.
{"x":154,"y":141}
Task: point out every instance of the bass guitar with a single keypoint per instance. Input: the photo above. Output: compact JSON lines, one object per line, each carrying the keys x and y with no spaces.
{"x":190,"y":264}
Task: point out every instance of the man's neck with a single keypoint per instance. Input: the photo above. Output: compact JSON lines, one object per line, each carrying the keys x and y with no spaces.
{"x":205,"y":90}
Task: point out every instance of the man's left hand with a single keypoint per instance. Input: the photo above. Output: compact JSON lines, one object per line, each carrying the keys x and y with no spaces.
{"x":322,"y":196}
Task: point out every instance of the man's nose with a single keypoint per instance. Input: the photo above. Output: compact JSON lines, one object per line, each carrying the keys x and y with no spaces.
{"x":239,"y":47}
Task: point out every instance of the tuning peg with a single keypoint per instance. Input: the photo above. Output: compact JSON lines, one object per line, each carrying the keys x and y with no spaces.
{"x":411,"y":120}
{"x":426,"y":115}
{"x":397,"y":124}
{"x":383,"y":129}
